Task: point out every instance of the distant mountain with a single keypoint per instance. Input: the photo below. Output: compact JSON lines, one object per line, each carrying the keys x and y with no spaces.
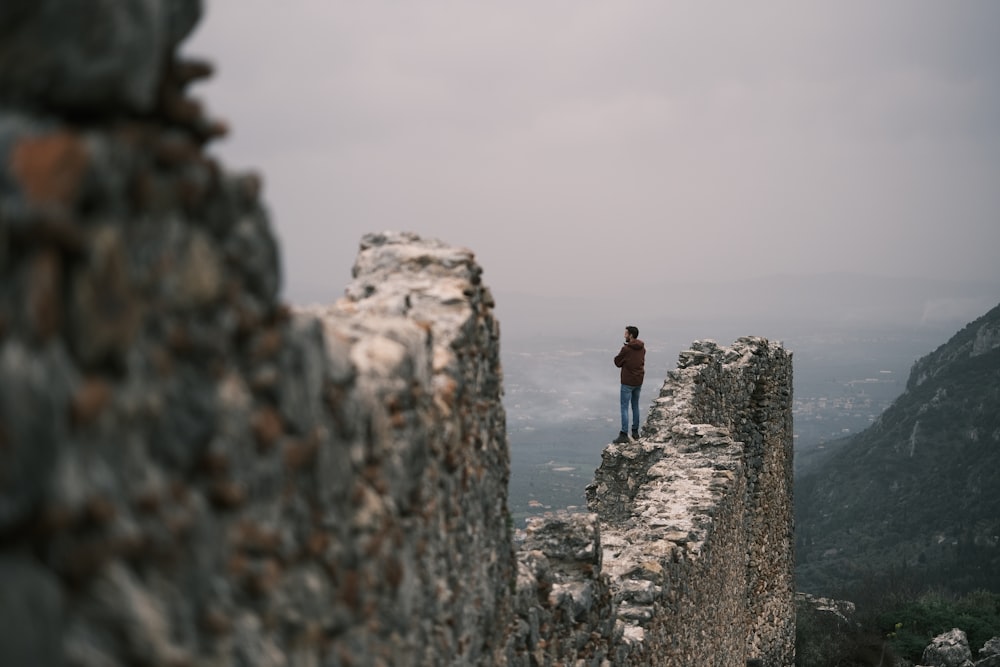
{"x":917,"y":494}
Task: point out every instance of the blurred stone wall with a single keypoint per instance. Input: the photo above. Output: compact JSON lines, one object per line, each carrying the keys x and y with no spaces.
{"x":421,"y":483}
{"x":194,"y":474}
{"x":190,"y":473}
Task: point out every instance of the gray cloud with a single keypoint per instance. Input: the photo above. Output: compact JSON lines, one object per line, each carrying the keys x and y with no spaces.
{"x":578,"y":147}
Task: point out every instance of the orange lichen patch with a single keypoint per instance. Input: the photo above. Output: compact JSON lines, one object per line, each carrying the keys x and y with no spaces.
{"x":238,"y":565}
{"x":89,"y":400}
{"x":268,"y":344}
{"x":258,"y":539}
{"x":267,"y":427}
{"x":265,"y":577}
{"x":394,"y":572}
{"x":50,"y":168}
{"x":317,"y":543}
{"x":445,"y":397}
{"x":351,"y":590}
{"x":299,"y":454}
{"x":215,"y":621}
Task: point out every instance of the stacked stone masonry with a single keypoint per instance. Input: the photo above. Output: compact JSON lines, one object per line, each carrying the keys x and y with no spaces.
{"x":193,"y":474}
{"x":696,"y":516}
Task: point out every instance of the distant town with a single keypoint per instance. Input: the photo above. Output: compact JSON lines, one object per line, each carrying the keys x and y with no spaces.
{"x":847,"y":409}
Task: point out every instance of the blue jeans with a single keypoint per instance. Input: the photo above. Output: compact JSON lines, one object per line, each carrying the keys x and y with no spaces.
{"x":630,"y":394}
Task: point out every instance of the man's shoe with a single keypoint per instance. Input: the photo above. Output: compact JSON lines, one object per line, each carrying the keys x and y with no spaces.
{"x":621,"y":439}
{"x":635,"y":435}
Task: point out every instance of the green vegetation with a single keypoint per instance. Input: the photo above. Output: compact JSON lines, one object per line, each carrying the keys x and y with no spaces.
{"x":917,"y":492}
{"x":893,"y":623}
{"x":915,"y":622}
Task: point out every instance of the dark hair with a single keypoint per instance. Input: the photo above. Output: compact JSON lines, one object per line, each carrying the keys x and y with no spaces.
{"x":633,"y":330}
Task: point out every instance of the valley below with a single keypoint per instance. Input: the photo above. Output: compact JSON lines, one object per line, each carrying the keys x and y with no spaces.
{"x":561,"y":398}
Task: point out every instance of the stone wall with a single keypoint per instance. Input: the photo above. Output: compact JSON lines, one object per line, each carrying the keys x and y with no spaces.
{"x":194,"y":474}
{"x":428,"y":550}
{"x":697,"y":515}
{"x":686,"y":557}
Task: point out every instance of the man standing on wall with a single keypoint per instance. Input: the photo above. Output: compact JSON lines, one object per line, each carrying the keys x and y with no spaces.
{"x":632,"y":361}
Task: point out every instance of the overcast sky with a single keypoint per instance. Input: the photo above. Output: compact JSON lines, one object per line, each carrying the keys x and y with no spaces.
{"x":578,"y":146}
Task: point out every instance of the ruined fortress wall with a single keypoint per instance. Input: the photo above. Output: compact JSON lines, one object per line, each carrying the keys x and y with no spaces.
{"x":696,"y":517}
{"x":194,"y":474}
{"x":430,"y":540}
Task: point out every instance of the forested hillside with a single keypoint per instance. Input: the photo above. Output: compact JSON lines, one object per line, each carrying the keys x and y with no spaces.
{"x":916,"y":495}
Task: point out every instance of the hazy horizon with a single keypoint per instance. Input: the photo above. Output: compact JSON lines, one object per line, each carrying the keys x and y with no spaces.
{"x":595,"y":152}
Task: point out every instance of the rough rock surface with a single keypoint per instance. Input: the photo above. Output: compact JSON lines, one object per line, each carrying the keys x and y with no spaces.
{"x":86,"y":57}
{"x":425,"y":471}
{"x":563,"y":608}
{"x":989,"y":654}
{"x":193,"y":474}
{"x":949,"y":649}
{"x":839,"y":612}
{"x":697,"y":515}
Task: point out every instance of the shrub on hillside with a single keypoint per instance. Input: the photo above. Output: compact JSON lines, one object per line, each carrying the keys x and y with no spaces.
{"x":917,"y":621}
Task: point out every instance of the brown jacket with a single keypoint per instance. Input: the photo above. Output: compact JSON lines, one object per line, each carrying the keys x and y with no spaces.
{"x":632,"y":361}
